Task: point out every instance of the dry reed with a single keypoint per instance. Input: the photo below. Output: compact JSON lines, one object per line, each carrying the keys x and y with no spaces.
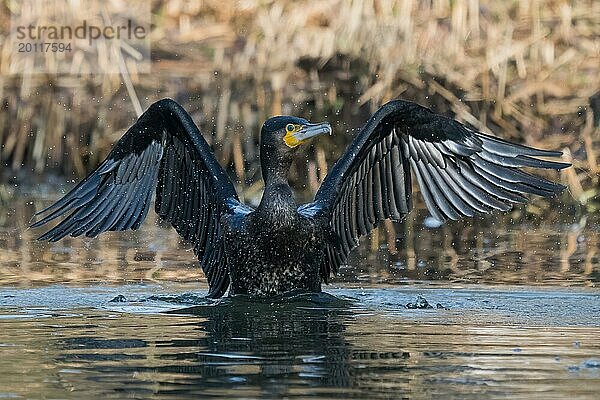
{"x":523,"y":70}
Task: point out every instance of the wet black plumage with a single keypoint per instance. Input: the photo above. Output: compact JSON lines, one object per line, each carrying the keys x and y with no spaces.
{"x":280,"y":246}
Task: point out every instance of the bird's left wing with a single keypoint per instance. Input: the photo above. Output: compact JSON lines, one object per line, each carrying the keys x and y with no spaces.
{"x":163,"y":150}
{"x":460,"y":172}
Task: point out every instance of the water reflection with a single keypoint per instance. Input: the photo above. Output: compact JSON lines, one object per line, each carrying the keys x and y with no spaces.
{"x":272,"y":345}
{"x":491,"y":250}
{"x":316,"y":347}
{"x":271,"y":350}
{"x":496,"y":249}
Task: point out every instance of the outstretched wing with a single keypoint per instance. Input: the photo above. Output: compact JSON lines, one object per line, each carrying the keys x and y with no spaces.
{"x":460,"y":172}
{"x":164,"y":150}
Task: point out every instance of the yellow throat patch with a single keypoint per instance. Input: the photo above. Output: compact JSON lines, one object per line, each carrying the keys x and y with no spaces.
{"x":289,"y":139}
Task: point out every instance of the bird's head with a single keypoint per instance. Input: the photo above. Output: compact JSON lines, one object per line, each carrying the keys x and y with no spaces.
{"x":287,"y":132}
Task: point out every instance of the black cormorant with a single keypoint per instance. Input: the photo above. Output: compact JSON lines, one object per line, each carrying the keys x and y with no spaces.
{"x":279,"y":246}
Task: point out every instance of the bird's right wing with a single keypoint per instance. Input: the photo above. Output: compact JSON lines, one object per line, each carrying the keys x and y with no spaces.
{"x":164,"y":150}
{"x":460,"y":173}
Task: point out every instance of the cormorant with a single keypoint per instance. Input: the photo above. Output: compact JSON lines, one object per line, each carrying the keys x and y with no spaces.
{"x":279,"y":246}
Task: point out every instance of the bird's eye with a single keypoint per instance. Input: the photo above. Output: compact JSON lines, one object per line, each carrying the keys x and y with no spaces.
{"x":289,"y":128}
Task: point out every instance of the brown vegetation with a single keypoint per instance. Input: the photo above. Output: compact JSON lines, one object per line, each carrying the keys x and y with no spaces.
{"x":523,"y":70}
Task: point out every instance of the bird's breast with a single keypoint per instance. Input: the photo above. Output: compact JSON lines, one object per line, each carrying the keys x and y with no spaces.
{"x":266,"y":260}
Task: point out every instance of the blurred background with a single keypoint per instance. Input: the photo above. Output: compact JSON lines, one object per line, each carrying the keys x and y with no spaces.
{"x":527,"y":71}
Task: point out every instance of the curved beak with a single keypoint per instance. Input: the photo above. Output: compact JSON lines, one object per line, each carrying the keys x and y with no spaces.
{"x":311,"y":130}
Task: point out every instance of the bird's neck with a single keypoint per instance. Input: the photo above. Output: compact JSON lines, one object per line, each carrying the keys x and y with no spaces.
{"x":278,"y":198}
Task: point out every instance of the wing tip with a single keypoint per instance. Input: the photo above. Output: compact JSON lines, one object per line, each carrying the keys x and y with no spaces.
{"x":563,"y":165}
{"x":35,"y":224}
{"x":545,"y":164}
{"x":46,"y":237}
{"x":555,"y":190}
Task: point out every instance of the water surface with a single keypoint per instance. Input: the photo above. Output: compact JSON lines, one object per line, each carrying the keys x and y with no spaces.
{"x":123,"y":316}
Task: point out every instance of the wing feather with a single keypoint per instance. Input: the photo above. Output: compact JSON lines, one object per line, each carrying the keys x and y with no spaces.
{"x":460,"y":172}
{"x":164,"y":152}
